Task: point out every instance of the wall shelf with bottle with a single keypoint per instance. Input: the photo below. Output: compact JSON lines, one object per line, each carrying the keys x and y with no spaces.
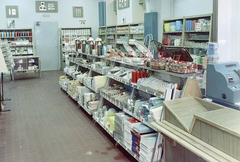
{"x":68,"y":35}
{"x":20,"y":40}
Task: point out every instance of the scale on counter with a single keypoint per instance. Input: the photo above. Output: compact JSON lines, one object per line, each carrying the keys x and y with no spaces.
{"x":223,"y":83}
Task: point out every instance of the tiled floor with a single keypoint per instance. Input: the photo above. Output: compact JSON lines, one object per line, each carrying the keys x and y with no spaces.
{"x":45,"y":125}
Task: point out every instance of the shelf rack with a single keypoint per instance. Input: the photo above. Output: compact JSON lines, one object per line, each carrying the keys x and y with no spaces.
{"x":72,"y":34}
{"x":27,"y":36}
{"x":109,"y":34}
{"x":134,"y":86}
{"x":186,"y":34}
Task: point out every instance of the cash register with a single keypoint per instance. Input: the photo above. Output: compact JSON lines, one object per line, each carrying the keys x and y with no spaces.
{"x":223,"y":83}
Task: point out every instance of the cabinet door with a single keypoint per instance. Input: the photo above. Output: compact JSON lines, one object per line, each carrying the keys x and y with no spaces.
{"x":102,"y":13}
{"x":151,"y":24}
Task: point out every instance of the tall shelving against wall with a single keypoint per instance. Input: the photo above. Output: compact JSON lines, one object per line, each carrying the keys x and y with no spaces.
{"x":69,"y":35}
{"x":111,"y":35}
{"x":136,"y":33}
{"x":20,"y":41}
{"x":117,"y":35}
{"x":102,"y":33}
{"x":196,"y":32}
{"x":122,"y":36}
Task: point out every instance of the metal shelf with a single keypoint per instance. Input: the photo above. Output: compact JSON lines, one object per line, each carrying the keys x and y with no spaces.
{"x":22,"y":54}
{"x":136,"y":33}
{"x":148,"y":68}
{"x":172,"y":32}
{"x":199,"y":39}
{"x":17,"y":37}
{"x":197,"y":31}
{"x":103,"y":126}
{"x":25,"y":45}
{"x":111,"y":102}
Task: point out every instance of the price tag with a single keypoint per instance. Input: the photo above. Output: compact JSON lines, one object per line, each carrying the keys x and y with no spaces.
{"x":154,"y":93}
{"x":146,"y":90}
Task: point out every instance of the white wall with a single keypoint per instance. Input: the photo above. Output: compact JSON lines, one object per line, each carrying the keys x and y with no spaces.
{"x":134,"y":13}
{"x":164,"y":10}
{"x":111,"y":15}
{"x":177,"y":8}
{"x":127,"y":12}
{"x":28,"y":15}
{"x":138,"y":12}
{"x":191,"y":7}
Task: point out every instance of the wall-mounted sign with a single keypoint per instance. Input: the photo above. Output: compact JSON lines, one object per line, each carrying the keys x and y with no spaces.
{"x":82,"y":22}
{"x":123,"y":4}
{"x":11,"y":11}
{"x":77,"y":11}
{"x":46,"y":6}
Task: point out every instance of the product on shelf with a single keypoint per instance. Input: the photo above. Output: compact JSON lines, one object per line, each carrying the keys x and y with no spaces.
{"x":197,"y":25}
{"x":69,"y":69}
{"x":98,"y":82}
{"x":116,"y":94}
{"x":87,"y":81}
{"x":147,"y":147}
{"x":137,"y":29}
{"x":81,"y":91}
{"x":138,"y":132}
{"x":8,"y":58}
{"x":111,"y":30}
{"x":72,"y":88}
{"x":123,"y":74}
{"x":93,"y":105}
{"x":80,"y":77}
{"x":129,"y":123}
{"x":138,"y":75}
{"x":153,"y":84}
{"x":123,"y":30}
{"x":64,"y":83}
{"x":98,"y":47}
{"x":156,"y":113}
{"x":108,"y":118}
{"x":90,"y":46}
{"x":62,"y":78}
{"x":119,"y":125}
{"x":101,"y":67}
{"x":181,"y":67}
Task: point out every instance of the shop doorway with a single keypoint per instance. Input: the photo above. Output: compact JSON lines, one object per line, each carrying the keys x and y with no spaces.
{"x":47,"y":45}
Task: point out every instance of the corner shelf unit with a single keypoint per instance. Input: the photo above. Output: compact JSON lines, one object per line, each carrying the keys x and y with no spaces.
{"x":27,"y":64}
{"x":193,"y":37}
{"x":20,"y":41}
{"x":71,"y":34}
{"x":117,"y":35}
{"x":170,"y":77}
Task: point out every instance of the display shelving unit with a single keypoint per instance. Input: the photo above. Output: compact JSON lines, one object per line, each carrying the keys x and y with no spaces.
{"x":22,"y":48}
{"x":71,"y":33}
{"x":20,"y":41}
{"x":117,"y":35}
{"x":27,"y":64}
{"x":178,"y":78}
{"x":102,"y":33}
{"x":187,"y":35}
